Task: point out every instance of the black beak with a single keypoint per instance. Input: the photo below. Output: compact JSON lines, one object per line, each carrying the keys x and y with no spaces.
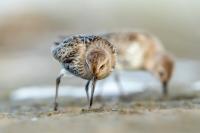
{"x":92,"y":91}
{"x":165,"y":88}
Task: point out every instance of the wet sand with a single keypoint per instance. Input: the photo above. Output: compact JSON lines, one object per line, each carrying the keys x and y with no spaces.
{"x":174,"y":115}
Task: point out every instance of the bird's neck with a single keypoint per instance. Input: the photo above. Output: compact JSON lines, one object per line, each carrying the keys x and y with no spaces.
{"x":150,"y":63}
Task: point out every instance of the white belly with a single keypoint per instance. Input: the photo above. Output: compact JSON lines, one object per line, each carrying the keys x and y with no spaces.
{"x":134,"y":56}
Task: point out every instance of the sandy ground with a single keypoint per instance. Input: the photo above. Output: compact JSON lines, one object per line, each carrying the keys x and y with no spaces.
{"x":25,"y":59}
{"x":174,"y":115}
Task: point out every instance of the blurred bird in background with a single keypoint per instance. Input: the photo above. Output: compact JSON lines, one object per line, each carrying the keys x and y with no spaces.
{"x":139,"y":50}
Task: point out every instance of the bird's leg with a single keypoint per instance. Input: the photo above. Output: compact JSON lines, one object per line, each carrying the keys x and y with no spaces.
{"x":56,"y":95}
{"x":86,"y":89}
{"x":165,"y":89}
{"x":92,"y":91}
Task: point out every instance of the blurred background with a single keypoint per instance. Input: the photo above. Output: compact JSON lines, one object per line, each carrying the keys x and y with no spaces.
{"x":28,"y":29}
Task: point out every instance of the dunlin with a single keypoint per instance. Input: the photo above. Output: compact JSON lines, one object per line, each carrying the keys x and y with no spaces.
{"x":88,"y":57}
{"x":137,"y":50}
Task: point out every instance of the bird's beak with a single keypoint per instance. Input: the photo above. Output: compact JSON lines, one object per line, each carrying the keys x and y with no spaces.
{"x":93,"y":89}
{"x":165,"y":88}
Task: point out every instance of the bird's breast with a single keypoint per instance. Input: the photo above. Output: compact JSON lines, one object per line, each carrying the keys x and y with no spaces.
{"x":133,"y":56}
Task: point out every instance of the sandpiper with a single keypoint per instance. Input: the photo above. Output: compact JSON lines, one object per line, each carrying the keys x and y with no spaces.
{"x":137,"y":50}
{"x":88,"y":57}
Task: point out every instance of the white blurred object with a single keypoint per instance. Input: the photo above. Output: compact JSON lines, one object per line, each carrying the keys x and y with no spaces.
{"x":185,"y":82}
{"x":132,"y":82}
{"x":109,"y":89}
{"x":196,"y":86}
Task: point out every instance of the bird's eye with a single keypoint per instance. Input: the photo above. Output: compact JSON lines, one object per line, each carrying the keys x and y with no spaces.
{"x":161,"y":74}
{"x":102,"y":67}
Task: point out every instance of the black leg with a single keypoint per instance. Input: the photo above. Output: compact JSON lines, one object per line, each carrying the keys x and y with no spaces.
{"x":86,"y":89}
{"x":56,"y":96}
{"x":165,"y":89}
{"x":92,"y":91}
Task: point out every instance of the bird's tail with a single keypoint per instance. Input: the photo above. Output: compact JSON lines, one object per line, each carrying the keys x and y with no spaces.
{"x":55,"y":49}
{"x":56,"y":43}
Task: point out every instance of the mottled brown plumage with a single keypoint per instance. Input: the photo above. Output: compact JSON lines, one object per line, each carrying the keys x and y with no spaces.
{"x":88,"y":57}
{"x":137,"y":50}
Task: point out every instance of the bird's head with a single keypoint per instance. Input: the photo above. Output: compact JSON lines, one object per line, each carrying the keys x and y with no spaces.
{"x":163,"y":69}
{"x":99,"y":63}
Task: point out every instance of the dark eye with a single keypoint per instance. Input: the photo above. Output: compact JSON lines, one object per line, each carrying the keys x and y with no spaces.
{"x":102,"y":67}
{"x":161,"y":74}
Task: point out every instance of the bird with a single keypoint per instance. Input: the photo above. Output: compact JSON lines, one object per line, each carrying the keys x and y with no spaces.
{"x":142,"y":50}
{"x":89,"y":57}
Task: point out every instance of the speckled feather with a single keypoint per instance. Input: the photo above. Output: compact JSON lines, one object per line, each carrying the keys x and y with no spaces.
{"x":71,"y":53}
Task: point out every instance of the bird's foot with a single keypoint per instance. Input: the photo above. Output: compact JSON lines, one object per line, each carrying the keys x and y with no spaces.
{"x":124,"y":97}
{"x":164,"y":97}
{"x":55,"y":106}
